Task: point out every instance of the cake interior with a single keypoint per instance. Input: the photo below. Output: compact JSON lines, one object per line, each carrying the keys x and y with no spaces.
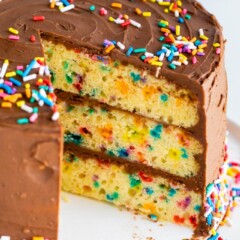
{"x":122,"y":86}
{"x":133,"y":138}
{"x":152,"y":196}
{"x":104,"y":108}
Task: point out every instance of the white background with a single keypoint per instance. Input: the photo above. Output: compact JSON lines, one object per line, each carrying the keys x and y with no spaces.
{"x":85,"y":219}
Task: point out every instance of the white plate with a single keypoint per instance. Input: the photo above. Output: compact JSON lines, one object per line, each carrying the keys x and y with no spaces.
{"x":87,"y":219}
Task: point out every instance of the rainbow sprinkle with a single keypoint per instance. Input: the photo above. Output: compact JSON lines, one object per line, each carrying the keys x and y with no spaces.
{"x":177,"y":49}
{"x":38,"y":238}
{"x":33,"y":238}
{"x":64,"y":5}
{"x":14,"y":31}
{"x":38,"y":18}
{"x":116,"y":5}
{"x":13,"y":37}
{"x":221,"y":197}
{"x":41,"y":91}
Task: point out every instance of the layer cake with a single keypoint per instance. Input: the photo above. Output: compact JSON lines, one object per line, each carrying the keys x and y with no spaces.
{"x":140,"y":87}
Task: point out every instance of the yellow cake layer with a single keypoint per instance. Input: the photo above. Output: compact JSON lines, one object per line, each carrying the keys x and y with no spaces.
{"x":125,"y":135}
{"x":123,"y":86}
{"x":152,"y":196}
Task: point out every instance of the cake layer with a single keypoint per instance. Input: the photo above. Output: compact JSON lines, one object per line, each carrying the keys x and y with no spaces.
{"x":156,"y":197}
{"x":121,"y":134}
{"x":124,"y":86}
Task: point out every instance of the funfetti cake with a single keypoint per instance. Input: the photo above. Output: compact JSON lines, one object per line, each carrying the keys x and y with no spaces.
{"x":141,"y":92}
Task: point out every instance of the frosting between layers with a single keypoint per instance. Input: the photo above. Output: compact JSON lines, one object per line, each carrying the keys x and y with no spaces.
{"x":130,"y":166}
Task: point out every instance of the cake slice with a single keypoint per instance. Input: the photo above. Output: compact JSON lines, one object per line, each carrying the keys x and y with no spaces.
{"x":141,"y":89}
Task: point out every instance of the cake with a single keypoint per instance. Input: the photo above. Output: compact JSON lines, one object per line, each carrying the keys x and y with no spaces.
{"x":141,"y":91}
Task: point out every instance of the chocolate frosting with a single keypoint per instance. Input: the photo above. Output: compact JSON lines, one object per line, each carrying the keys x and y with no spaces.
{"x":81,"y":28}
{"x":29,"y":180}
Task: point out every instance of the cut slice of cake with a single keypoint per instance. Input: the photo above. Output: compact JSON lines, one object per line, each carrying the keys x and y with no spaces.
{"x":141,"y":91}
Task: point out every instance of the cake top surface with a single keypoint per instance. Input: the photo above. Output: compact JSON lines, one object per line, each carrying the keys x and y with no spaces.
{"x":146,"y":26}
{"x":176,"y":39}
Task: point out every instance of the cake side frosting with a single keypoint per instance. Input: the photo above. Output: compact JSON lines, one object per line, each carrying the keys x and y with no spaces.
{"x":30,"y":180}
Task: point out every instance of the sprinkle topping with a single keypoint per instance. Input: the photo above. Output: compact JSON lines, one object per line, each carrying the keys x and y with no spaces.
{"x":65,"y":5}
{"x":11,"y":88}
{"x":38,"y":18}
{"x":221,"y":197}
{"x":176,"y":49}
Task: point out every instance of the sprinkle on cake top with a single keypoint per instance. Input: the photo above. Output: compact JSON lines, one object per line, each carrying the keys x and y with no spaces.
{"x":27,"y":88}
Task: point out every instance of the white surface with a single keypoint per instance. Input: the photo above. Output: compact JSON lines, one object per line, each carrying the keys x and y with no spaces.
{"x":85,"y":219}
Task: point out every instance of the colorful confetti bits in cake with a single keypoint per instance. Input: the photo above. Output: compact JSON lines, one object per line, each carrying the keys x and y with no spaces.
{"x":112,"y":197}
{"x":153,"y":217}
